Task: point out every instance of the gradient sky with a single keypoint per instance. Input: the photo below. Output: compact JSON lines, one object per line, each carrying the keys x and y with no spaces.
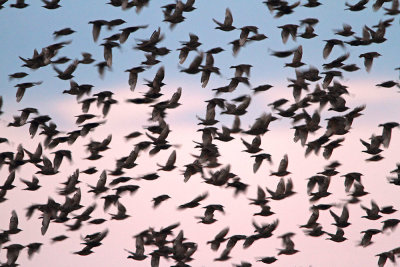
{"x":31,"y":28}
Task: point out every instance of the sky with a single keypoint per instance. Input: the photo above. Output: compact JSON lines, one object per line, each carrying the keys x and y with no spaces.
{"x":24,"y":30}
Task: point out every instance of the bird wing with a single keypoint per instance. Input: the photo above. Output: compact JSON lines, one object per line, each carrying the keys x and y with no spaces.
{"x":13,"y":221}
{"x":228,"y":17}
{"x":298,"y":54}
{"x":10,"y":179}
{"x":121,"y":209}
{"x":345,"y":214}
{"x":222,"y":233}
{"x":139,"y":245}
{"x":334,"y":216}
{"x":71,"y":68}
{"x":283,"y":164}
{"x":280,"y":188}
{"x":172,"y":158}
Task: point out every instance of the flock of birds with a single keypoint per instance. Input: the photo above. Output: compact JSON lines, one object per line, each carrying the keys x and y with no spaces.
{"x":169,"y":242}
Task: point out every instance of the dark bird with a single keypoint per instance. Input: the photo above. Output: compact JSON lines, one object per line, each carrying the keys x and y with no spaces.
{"x":227,"y":25}
{"x":387,"y":132}
{"x":139,"y":253}
{"x":258,"y":160}
{"x":19,"y":4}
{"x":8,"y":184}
{"x":265,"y":211}
{"x":127,"y":31}
{"x":254,"y":147}
{"x":170,"y":164}
{"x":194,"y":203}
{"x":345,"y":31}
{"x":52,"y":4}
{"x":22,"y":87}
{"x":373,"y":213}
{"x":288,"y":245}
{"x":373,"y":147}
{"x":17,"y":75}
{"x":218,"y":239}
{"x":366,"y":239}
{"x":63,"y":32}
{"x":97,"y":24}
{"x":338,"y":236}
{"x":390,"y":224}
{"x":159,"y":199}
{"x":33,"y":248}
{"x":329,"y":46}
{"x":121,"y":215}
{"x":341,"y":221}
{"x":31,"y":185}
{"x":286,"y":31}
{"x":368,"y":59}
{"x":100,"y":186}
{"x":86,"y":58}
{"x":282,"y":190}
{"x":267,"y":260}
{"x":13,"y":251}
{"x":67,"y":73}
{"x":282,"y":169}
{"x":13,"y":226}
{"x":297,"y":56}
{"x":308,"y":33}
{"x":108,"y":46}
{"x":358,"y":6}
{"x":350,"y":178}
{"x":312,"y":3}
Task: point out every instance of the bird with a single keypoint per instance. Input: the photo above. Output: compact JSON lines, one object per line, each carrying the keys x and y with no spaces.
{"x":297,"y":56}
{"x":312,"y":3}
{"x":159,"y":199}
{"x":194,"y":203}
{"x":360,"y":5}
{"x":97,"y":24}
{"x":19,"y":4}
{"x":31,"y":185}
{"x":170,"y":164}
{"x":282,"y":169}
{"x":254,"y":147}
{"x":286,"y":31}
{"x":288,"y":244}
{"x":67,"y":73}
{"x":22,"y":87}
{"x":100,"y":186}
{"x":341,"y":221}
{"x":13,"y":251}
{"x":121,"y":215}
{"x":368,"y":59}
{"x":63,"y":32}
{"x":139,"y":253}
{"x":218,"y":239}
{"x":13,"y":226}
{"x":259,"y":158}
{"x":53,"y":4}
{"x":387,"y":132}
{"x":227,"y":25}
{"x":17,"y":75}
{"x":127,"y":31}
{"x":338,"y":236}
{"x":33,"y":248}
{"x":373,"y":213}
{"x":267,"y":260}
{"x":366,"y":239}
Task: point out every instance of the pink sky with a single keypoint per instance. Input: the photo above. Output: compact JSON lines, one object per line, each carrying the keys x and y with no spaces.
{"x":292,"y":212}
